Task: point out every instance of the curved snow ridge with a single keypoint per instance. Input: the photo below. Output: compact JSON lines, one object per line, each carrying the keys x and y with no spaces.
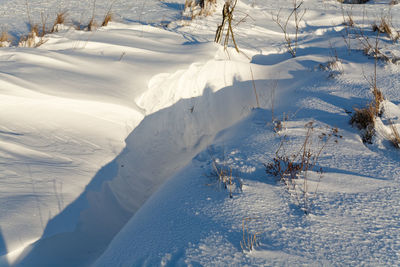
{"x":166,"y":89}
{"x":72,"y":109}
{"x":186,"y":108}
{"x":164,"y":141}
{"x":181,"y":124}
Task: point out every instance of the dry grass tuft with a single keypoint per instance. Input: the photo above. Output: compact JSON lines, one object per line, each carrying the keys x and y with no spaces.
{"x":292,"y":168}
{"x":5,"y":39}
{"x":92,"y":25}
{"x":194,"y":8}
{"x":364,"y":119}
{"x":33,"y":39}
{"x":385,"y":26}
{"x":34,"y":30}
{"x":60,"y":20}
{"x":333,"y":66}
{"x":108,"y":18}
{"x":349,"y":20}
{"x":395,"y":138}
{"x":249,"y":241}
{"x":378,"y":99}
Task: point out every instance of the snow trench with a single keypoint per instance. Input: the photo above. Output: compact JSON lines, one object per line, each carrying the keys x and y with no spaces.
{"x":180,"y":123}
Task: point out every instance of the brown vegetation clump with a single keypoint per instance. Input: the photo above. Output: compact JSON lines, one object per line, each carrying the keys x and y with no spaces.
{"x":30,"y":39}
{"x":290,"y":168}
{"x":5,"y":39}
{"x":227,"y":19}
{"x":92,"y":25}
{"x":194,"y":8}
{"x":395,"y":138}
{"x":108,"y":18}
{"x":60,"y":20}
{"x":364,"y":119}
{"x":386,"y":28}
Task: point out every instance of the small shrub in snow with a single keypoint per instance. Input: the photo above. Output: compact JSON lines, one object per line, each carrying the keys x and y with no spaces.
{"x":60,"y":20}
{"x":364,"y":119}
{"x":225,"y":177}
{"x":292,"y":168}
{"x":194,"y":8}
{"x":227,"y":18}
{"x":92,"y":25}
{"x":32,"y":39}
{"x":395,"y":137}
{"x":5,"y":39}
{"x":297,"y":14}
{"x":371,"y":45}
{"x":250,"y":237}
{"x":385,"y":26}
{"x":333,"y":66}
{"x":107,"y":18}
{"x":349,"y":24}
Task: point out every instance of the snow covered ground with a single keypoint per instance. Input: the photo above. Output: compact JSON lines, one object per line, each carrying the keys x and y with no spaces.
{"x":109,"y":139}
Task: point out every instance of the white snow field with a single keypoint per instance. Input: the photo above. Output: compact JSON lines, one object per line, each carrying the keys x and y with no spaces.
{"x":112,"y":140}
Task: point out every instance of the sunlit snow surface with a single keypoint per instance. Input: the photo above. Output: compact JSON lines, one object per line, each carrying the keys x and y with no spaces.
{"x":93,"y":123}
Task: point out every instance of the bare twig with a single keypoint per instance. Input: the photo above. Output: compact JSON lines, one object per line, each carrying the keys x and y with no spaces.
{"x":254,"y":87}
{"x":298,"y":15}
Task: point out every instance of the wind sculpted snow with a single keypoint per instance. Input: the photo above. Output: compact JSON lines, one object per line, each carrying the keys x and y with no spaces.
{"x":122,"y":125}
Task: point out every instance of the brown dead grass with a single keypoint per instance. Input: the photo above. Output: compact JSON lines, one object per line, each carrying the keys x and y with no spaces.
{"x":199,"y":7}
{"x":364,"y":119}
{"x":60,"y":19}
{"x":385,"y":27}
{"x":108,"y":18}
{"x":395,"y":138}
{"x":31,"y":39}
{"x":92,"y":25}
{"x":5,"y":37}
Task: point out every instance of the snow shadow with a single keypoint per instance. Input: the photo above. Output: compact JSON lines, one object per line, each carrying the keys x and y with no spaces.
{"x":271,"y":59}
{"x":3,"y":251}
{"x":3,"y":248}
{"x":162,"y":144}
{"x":174,"y":6}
